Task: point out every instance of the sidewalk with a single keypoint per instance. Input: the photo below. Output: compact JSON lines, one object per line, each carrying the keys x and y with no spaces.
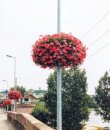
{"x":92,"y":128}
{"x":4,"y":123}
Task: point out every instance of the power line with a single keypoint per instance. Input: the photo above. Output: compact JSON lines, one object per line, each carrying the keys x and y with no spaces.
{"x":99,"y":50}
{"x":100,"y":20}
{"x":100,"y":37}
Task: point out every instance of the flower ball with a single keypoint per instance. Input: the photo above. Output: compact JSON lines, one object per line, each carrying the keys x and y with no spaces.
{"x":61,"y":50}
{"x":14,"y":94}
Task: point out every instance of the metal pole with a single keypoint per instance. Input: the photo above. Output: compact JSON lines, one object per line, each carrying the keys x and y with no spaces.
{"x":59,"y":99}
{"x":14,"y":82}
{"x":7,"y":92}
{"x":58,"y":16}
{"x":14,"y":109}
{"x":59,"y":80}
{"x":14,"y":73}
{"x":6,"y":88}
{"x":7,"y":95}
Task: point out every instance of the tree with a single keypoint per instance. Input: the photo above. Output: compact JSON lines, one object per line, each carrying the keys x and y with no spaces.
{"x":92,"y":102}
{"x":102,"y":97}
{"x":20,"y":89}
{"x":74,"y":98}
{"x":30,"y":91}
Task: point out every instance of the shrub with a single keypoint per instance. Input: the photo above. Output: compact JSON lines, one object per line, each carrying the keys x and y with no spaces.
{"x":41,"y":112}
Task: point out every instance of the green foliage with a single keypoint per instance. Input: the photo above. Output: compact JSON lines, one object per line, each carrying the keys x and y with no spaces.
{"x":20,"y":89}
{"x":102,"y":97}
{"x":92,"y":102}
{"x":30,"y":91}
{"x":41,"y":112}
{"x":1,"y":101}
{"x":74,"y":99}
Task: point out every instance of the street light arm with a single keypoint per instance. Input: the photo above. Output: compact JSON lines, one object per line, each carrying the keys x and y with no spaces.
{"x":8,"y":56}
{"x":11,"y":56}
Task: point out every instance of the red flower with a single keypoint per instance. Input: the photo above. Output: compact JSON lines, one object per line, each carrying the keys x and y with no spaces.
{"x":6,"y":102}
{"x":1,"y":105}
{"x":58,"y":50}
{"x":14,"y":95}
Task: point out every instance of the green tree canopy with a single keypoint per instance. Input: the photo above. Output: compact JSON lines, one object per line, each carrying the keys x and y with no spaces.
{"x":20,"y":89}
{"x":75,"y":100}
{"x":102,"y":97}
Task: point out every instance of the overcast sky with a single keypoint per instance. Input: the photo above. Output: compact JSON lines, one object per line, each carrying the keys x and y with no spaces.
{"x":23,"y":21}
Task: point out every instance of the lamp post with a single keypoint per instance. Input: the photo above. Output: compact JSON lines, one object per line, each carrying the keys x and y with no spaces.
{"x":6,"y":92}
{"x":6,"y":86}
{"x":59,"y":73}
{"x":14,"y":58}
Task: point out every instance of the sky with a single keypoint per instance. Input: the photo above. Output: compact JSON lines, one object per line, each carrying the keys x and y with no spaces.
{"x":23,"y":21}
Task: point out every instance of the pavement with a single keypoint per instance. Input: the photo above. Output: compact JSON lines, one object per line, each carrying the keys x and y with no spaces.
{"x":92,"y":128}
{"x":4,"y":123}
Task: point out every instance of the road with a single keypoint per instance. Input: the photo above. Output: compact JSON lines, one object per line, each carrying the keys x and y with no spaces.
{"x":4,"y":123}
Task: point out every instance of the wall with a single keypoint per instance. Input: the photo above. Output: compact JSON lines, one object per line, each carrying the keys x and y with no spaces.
{"x":24,"y":121}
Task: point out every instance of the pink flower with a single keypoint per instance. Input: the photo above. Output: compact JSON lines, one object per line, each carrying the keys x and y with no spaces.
{"x":58,"y":49}
{"x":14,"y":95}
{"x":6,"y":102}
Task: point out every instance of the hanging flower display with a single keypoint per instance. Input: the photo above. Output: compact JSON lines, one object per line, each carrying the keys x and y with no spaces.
{"x":1,"y":105}
{"x":63,"y":50}
{"x":6,"y":102}
{"x":14,"y":95}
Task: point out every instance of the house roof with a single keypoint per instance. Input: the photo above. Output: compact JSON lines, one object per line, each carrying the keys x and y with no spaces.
{"x":29,"y":96}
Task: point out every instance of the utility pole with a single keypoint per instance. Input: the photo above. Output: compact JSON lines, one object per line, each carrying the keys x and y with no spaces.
{"x":59,"y":71}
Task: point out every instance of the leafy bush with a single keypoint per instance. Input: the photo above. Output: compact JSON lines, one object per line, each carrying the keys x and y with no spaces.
{"x":41,"y":112}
